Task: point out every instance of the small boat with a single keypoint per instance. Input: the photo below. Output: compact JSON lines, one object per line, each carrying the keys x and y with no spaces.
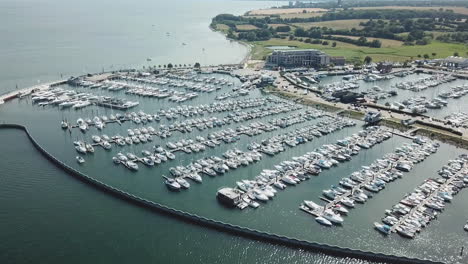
{"x":323,"y":221}
{"x":132,"y":165}
{"x":172,"y":184}
{"x":183,"y":183}
{"x":332,"y":217}
{"x":312,"y":205}
{"x":80,"y":160}
{"x":384,"y":229}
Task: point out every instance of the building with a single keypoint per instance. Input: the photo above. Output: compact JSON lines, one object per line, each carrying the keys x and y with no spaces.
{"x":298,"y":58}
{"x":338,"y":60}
{"x":455,"y":62}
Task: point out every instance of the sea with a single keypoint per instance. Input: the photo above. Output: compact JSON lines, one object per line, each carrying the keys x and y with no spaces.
{"x":48,"y":216}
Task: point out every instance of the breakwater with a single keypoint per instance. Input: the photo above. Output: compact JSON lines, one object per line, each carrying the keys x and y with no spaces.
{"x":218,"y":225}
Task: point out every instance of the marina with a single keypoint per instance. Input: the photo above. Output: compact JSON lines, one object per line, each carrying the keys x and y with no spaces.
{"x":260,"y":145}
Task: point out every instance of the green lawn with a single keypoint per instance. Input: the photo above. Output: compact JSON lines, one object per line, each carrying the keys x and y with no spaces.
{"x":355,"y":53}
{"x":222,"y":27}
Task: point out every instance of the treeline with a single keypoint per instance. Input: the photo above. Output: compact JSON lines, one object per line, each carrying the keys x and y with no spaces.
{"x":390,"y":14}
{"x":373,"y":3}
{"x":454,"y":37}
{"x":381,"y":24}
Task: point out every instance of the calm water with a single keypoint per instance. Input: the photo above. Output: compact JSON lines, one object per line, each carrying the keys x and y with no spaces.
{"x":54,"y":217}
{"x":44,"y":39}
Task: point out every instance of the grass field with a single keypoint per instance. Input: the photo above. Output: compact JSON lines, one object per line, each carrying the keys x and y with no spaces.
{"x":302,"y":15}
{"x":335,"y":24}
{"x":354,"y":53}
{"x":222,"y":27}
{"x":279,"y":11}
{"x":246,"y":27}
{"x":386,"y":43}
{"x":276,"y":25}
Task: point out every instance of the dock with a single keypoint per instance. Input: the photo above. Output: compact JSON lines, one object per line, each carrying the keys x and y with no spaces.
{"x":26,"y":91}
{"x":428,"y":198}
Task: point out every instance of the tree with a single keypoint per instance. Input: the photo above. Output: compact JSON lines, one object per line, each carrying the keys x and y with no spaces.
{"x":426,"y":56}
{"x":170,"y":66}
{"x":304,"y":11}
{"x":434,"y":54}
{"x":300,"y":32}
{"x":455,"y":54}
{"x":325,"y":43}
{"x":376,"y":43}
{"x":419,"y":55}
{"x":196,"y":65}
{"x":367,"y":60}
{"x":334,"y":44}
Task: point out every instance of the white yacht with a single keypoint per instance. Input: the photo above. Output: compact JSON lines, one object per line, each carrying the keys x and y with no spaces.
{"x":80,"y":160}
{"x":332,"y":217}
{"x":323,"y":221}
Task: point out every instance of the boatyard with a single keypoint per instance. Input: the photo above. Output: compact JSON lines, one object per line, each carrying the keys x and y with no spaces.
{"x":220,"y":141}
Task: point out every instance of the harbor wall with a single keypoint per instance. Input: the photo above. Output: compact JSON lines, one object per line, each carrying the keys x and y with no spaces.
{"x":218,"y":225}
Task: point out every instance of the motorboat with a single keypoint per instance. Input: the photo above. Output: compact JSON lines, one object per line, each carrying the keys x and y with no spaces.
{"x":195,"y":177}
{"x":183,"y":183}
{"x":132,"y":165}
{"x":259,"y":195}
{"x":332,"y":217}
{"x":172,"y":184}
{"x":384,"y":229}
{"x":80,"y":159}
{"x":323,"y":221}
{"x":312,"y":205}
{"x":347,"y":202}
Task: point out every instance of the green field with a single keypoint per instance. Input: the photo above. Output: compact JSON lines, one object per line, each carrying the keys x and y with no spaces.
{"x":356,"y":53}
{"x":222,"y":27}
{"x":386,"y":43}
{"x":246,"y":27}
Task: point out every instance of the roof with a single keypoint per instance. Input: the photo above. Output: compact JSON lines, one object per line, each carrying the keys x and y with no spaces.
{"x":455,"y":59}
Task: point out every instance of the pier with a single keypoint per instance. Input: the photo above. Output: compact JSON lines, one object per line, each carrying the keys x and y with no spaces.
{"x":421,"y":205}
{"x":26,"y":91}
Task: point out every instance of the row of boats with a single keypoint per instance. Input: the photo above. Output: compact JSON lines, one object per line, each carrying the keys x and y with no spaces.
{"x":213,"y":139}
{"x":144,"y":135}
{"x":211,"y":166}
{"x":420,"y":104}
{"x":64,"y":98}
{"x":234,"y":158}
{"x":426,"y":82}
{"x":361,"y":184}
{"x":457,"y":118}
{"x":293,"y":172}
{"x":157,"y":156}
{"x":418,"y":208}
{"x":176,"y":112}
{"x":149,"y":85}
